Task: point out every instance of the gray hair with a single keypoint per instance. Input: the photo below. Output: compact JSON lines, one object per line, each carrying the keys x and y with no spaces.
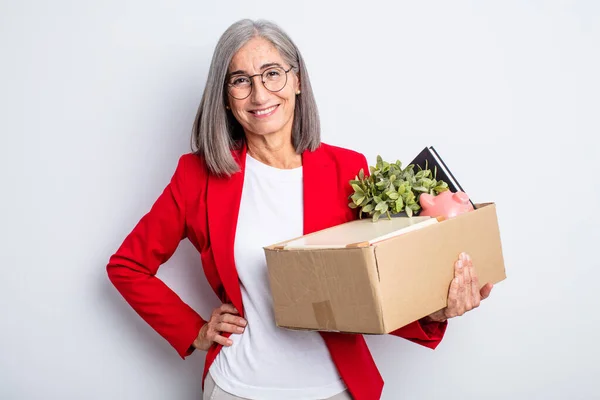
{"x":216,"y":132}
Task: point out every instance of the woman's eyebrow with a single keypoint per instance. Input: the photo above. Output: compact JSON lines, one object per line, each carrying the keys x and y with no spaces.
{"x":264,"y":66}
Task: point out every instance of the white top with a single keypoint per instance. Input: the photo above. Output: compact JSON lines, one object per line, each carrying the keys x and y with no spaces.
{"x":267,"y":362}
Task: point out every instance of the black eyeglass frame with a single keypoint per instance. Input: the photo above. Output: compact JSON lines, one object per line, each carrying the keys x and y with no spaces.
{"x":229,"y":85}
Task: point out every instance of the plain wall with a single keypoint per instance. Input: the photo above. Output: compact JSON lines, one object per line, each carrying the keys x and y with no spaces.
{"x":97,"y":100}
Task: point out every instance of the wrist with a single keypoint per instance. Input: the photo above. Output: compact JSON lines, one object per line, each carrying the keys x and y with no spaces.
{"x":197,"y":343}
{"x":438,"y":316}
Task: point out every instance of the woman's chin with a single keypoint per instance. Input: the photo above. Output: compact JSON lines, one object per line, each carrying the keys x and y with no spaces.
{"x":265,"y":129}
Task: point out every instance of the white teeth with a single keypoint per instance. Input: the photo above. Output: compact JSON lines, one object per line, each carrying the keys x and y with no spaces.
{"x":263,"y":112}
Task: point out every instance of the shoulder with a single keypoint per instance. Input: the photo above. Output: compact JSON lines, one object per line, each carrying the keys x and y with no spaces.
{"x":344,"y":157}
{"x":192,"y":165}
{"x":190,"y":176}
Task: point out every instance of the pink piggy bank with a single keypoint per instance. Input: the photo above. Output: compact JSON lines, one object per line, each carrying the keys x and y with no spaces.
{"x":445,"y":204}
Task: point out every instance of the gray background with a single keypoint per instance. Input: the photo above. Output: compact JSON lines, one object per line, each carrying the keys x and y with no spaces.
{"x":96,"y":105}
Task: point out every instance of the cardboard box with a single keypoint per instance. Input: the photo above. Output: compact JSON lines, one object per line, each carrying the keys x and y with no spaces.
{"x":378,"y":288}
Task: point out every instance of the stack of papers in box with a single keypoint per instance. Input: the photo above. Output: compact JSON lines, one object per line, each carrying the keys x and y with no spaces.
{"x":360,"y":233}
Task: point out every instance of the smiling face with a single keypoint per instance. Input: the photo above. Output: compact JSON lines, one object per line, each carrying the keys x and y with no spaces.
{"x":263,"y":112}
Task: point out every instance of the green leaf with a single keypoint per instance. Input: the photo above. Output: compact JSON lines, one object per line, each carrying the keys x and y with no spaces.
{"x":377,"y":199}
{"x":409,"y":211}
{"x":358,"y":200}
{"x":357,"y":189}
{"x":415,"y":207}
{"x":376,"y":216}
{"x":361,"y":174}
{"x":368,"y":208}
{"x":399,"y":204}
{"x":393,"y":195}
{"x":381,"y":207}
{"x":352,"y":205}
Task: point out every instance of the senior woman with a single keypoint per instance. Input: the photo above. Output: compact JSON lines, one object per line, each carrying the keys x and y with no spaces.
{"x":259,"y":175}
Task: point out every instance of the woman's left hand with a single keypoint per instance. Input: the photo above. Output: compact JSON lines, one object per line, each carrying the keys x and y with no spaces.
{"x":464,"y":294}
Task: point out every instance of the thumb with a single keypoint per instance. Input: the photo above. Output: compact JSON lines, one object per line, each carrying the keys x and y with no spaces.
{"x":486,"y":290}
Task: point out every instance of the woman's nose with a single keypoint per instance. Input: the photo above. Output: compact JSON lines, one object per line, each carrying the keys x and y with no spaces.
{"x":259,"y":92}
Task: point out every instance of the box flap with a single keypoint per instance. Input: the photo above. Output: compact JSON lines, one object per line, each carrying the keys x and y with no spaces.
{"x":360,"y":231}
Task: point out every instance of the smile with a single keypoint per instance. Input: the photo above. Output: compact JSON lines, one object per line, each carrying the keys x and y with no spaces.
{"x":265,"y":112}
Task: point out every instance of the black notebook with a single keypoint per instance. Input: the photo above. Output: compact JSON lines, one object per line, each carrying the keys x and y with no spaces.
{"x":431,"y":159}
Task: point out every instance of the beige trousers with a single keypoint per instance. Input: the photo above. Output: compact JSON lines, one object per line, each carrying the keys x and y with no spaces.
{"x":214,"y":392}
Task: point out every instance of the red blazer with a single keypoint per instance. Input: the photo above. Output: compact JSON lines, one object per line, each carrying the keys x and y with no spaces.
{"x":204,"y":208}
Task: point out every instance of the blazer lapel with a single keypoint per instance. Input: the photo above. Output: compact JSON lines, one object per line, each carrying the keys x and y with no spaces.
{"x":320,"y":190}
{"x":223,"y":203}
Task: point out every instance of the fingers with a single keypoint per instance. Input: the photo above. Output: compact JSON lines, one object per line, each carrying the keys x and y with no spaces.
{"x":461,"y":301}
{"x":464,"y":293}
{"x":226,"y":308}
{"x":222,"y":340}
{"x":468,"y":283}
{"x":224,"y":319}
{"x":455,"y":292}
{"x":474,"y":297}
{"x":460,"y":298}
{"x":453,"y":297}
{"x":232,"y":319}
{"x":224,"y":312}
{"x":231,"y":328}
{"x":477,"y":293}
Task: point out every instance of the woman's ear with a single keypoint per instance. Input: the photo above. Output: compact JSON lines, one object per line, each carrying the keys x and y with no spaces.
{"x":298,"y":88}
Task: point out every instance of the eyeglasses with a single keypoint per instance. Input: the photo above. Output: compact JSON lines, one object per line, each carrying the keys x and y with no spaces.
{"x":273,"y":79}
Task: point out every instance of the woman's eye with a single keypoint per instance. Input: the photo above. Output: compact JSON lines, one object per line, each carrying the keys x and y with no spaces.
{"x":273,"y":73}
{"x":239,"y":81}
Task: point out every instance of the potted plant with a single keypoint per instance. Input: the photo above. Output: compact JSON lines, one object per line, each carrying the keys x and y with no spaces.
{"x":392,"y":190}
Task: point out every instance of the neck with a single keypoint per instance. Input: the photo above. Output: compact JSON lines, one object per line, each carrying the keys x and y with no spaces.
{"x":274,"y":150}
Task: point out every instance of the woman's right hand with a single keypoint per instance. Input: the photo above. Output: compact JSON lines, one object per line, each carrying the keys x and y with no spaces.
{"x":222,"y":319}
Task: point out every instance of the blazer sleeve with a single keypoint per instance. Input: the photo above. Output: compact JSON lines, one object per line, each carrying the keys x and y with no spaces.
{"x":132,"y":269}
{"x":428,"y":334}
